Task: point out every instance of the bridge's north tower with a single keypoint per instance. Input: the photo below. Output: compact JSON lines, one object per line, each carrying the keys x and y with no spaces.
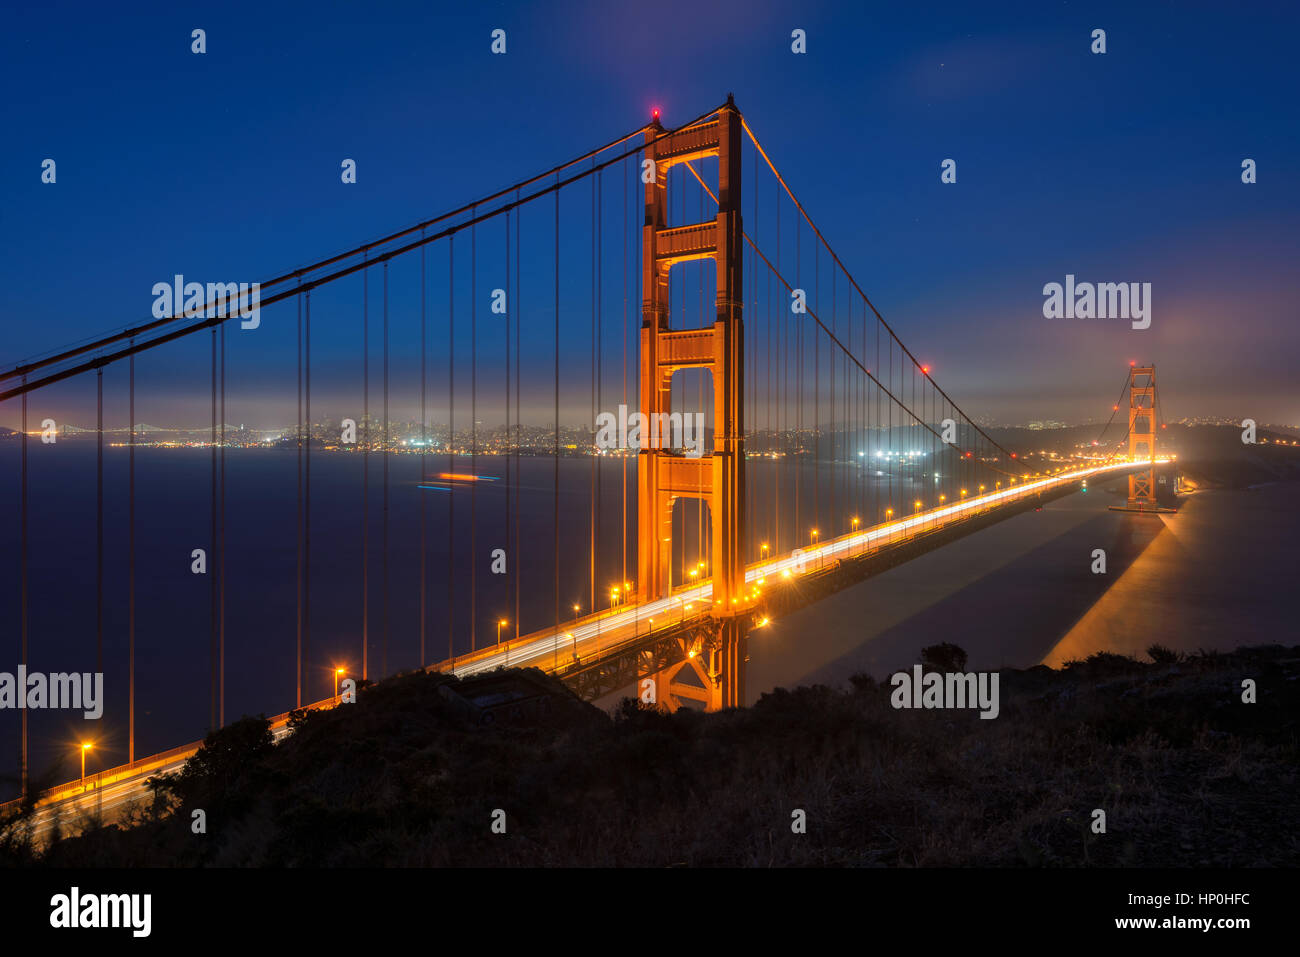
{"x":1142,"y":436}
{"x":664,"y":475}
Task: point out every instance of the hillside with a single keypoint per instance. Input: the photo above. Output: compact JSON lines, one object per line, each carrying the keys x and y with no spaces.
{"x":410,"y":775}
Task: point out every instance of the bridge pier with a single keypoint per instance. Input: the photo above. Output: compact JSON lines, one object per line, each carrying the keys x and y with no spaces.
{"x":716,"y":664}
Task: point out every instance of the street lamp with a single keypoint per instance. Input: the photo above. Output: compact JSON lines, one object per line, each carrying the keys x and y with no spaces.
{"x":764,"y":551}
{"x":576,"y":609}
{"x":855,"y":523}
{"x":85,"y":746}
{"x":613,"y":597}
{"x":337,"y":672}
{"x":814,"y":536}
{"x":500,"y":624}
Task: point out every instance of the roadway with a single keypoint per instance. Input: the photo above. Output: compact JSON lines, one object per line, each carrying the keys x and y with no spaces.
{"x":583,"y":637}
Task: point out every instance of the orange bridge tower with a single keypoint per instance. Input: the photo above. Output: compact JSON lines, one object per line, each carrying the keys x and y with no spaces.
{"x":1142,"y":441}
{"x":665,"y":475}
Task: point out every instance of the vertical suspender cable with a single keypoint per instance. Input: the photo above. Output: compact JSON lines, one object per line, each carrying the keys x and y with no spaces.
{"x":424,"y":442}
{"x":798,"y":385}
{"x":306,"y":508}
{"x":383,"y":657}
{"x":519,"y":348}
{"x":511,"y":478}
{"x":834,"y":514}
{"x":99,"y":520}
{"x":473,"y":432}
{"x":451,"y":449}
{"x":130,"y":569}
{"x":365,"y":474}
{"x":297,"y":681}
{"x":212,"y":543}
{"x":591,"y":342}
{"x":624,"y":454}
{"x":221,"y":627}
{"x":600,"y":357}
{"x":22,"y":563}
{"x":555,"y":527}
{"x":780,"y":413}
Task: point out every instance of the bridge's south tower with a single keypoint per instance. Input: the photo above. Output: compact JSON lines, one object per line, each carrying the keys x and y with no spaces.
{"x":664,"y":475}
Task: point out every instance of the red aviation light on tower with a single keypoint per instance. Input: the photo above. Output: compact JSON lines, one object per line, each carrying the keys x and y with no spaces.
{"x":925,"y":370}
{"x":654,"y":114}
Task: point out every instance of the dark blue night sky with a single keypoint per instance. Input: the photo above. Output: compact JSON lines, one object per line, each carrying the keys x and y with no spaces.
{"x":1117,"y":167}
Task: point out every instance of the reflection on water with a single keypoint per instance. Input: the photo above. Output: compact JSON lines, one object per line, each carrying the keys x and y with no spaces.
{"x":1219,"y":575}
{"x":1216,"y":575}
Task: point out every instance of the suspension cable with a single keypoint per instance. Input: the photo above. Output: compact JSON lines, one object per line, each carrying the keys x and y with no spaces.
{"x":311,"y":284}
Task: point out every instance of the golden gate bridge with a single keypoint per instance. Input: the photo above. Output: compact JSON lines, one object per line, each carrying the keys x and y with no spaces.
{"x":831,"y":454}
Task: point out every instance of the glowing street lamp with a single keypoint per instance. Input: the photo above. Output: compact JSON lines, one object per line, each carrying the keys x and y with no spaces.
{"x":576,"y":609}
{"x":889,"y":513}
{"x":85,"y":746}
{"x":337,"y":672}
{"x":814,"y":536}
{"x":764,"y":550}
{"x":500,"y":624}
{"x":855,"y":523}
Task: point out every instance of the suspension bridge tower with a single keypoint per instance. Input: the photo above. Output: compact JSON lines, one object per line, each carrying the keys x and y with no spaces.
{"x":1142,"y":441}
{"x":665,"y":475}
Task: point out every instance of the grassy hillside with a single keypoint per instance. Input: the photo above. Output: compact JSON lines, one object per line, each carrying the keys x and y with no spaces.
{"x":409,"y":775}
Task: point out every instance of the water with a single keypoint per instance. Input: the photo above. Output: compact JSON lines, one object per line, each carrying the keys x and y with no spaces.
{"x":174,"y":605}
{"x":1217,"y":575}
